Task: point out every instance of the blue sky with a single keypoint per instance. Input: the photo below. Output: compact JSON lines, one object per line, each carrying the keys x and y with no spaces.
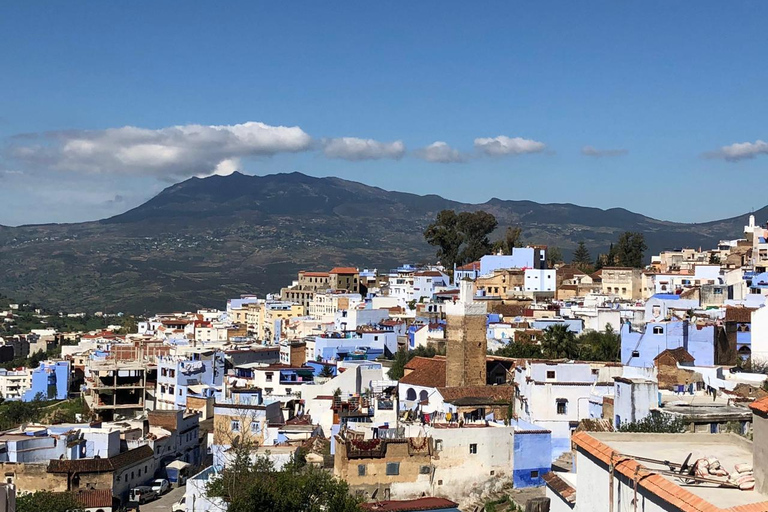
{"x":671,"y":96}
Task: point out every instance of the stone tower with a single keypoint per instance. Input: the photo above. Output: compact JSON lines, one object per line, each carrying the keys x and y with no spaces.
{"x":466,"y":344}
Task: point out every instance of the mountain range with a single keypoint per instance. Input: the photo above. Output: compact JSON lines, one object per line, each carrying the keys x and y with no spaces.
{"x":204,"y":240}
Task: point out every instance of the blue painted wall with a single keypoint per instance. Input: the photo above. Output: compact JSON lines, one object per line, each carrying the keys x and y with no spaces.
{"x":51,"y":379}
{"x":532,"y":458}
{"x":699,"y":342}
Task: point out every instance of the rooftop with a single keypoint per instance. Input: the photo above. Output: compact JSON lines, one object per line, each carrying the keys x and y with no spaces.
{"x":729,"y":449}
{"x":426,"y":503}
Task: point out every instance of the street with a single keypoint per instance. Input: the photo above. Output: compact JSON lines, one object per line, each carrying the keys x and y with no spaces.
{"x":164,"y":503}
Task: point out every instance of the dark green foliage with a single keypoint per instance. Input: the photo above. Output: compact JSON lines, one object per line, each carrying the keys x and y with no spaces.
{"x":630,"y":250}
{"x":600,"y":346}
{"x":444,"y":234}
{"x":513,"y":237}
{"x":520,"y":350}
{"x":326,"y":371}
{"x":581,"y":257}
{"x":460,"y":238}
{"x":554,"y":256}
{"x":40,"y":501}
{"x":658,"y":423}
{"x":253,"y":486}
{"x":397,"y":370}
{"x":559,"y":342}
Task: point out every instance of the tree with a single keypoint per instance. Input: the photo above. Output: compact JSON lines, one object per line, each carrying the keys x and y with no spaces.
{"x":475,"y":228}
{"x":554,"y":256}
{"x":326,"y":371}
{"x":581,"y":257}
{"x":397,"y":370}
{"x":443,"y":233}
{"x":714,"y":258}
{"x":460,"y":238}
{"x":248,"y":486}
{"x":630,"y":249}
{"x":559,"y":342}
{"x":48,"y":501}
{"x":600,"y":346}
{"x":513,"y":237}
{"x":519,"y":350}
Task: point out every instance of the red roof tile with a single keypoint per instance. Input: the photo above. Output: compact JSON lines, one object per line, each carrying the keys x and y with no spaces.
{"x":427,"y":503}
{"x":760,"y":406}
{"x":343,"y":270}
{"x":426,"y":371}
{"x":95,"y":498}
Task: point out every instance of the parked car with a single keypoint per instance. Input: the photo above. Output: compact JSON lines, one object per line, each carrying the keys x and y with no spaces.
{"x":142,"y":494}
{"x":160,"y":486}
{"x":180,"y":506}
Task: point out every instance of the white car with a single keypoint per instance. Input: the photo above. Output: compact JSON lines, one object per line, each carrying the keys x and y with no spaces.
{"x":160,"y":486}
{"x":180,"y":506}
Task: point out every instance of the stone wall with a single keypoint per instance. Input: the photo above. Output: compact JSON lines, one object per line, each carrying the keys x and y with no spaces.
{"x":466,"y":348}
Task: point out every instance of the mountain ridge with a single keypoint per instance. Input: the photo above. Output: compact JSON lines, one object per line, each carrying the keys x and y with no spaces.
{"x":203,"y":240}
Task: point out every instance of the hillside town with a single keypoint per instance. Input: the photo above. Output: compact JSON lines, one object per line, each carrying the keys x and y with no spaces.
{"x":513,"y":378}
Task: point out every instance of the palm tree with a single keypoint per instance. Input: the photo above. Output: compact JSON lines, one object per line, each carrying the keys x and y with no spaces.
{"x":559,"y":342}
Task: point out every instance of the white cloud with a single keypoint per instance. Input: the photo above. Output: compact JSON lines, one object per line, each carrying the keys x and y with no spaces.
{"x":177,"y":151}
{"x":740,"y":151}
{"x":598,"y":153}
{"x":503,"y":145}
{"x":440,"y":152}
{"x":352,"y":148}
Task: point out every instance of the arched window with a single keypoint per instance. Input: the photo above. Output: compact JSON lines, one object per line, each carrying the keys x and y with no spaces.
{"x":410,"y":394}
{"x":423,"y":395}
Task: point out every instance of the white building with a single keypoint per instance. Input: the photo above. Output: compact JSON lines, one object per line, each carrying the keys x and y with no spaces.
{"x":13,"y":383}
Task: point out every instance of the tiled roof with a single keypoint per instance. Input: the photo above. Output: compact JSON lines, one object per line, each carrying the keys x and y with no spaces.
{"x":95,"y":498}
{"x":429,"y":273}
{"x":427,"y":371}
{"x":475,"y":265}
{"x":739,"y":315}
{"x":119,"y":461}
{"x":478,"y":394}
{"x":668,"y":491}
{"x":680,"y":354}
{"x":560,"y":487}
{"x":427,"y":503}
{"x":343,"y":270}
{"x":760,"y":406}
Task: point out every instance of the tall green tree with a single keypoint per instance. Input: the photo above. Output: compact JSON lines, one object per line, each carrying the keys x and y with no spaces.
{"x":513,"y":237}
{"x":630,"y":249}
{"x":581,"y":257}
{"x":475,"y":228}
{"x":444,"y":234}
{"x":554,"y":256}
{"x":519,"y":350}
{"x":559,"y":342}
{"x":460,"y":238}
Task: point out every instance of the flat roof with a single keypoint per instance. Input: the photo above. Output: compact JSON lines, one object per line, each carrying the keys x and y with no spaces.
{"x":729,"y":449}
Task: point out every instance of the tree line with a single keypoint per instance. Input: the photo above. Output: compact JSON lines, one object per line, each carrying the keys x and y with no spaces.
{"x":559,"y":342}
{"x":464,"y":237}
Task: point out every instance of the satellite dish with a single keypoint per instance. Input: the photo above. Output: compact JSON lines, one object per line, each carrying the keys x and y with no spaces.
{"x":373,"y":496}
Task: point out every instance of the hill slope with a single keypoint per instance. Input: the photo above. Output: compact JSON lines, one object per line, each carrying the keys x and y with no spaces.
{"x":202,"y":241}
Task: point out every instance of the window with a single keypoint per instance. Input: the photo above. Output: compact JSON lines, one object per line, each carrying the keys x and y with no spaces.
{"x":658,"y":329}
{"x":180,"y":391}
{"x":410,"y":394}
{"x":718,"y":291}
{"x":393,"y":468}
{"x":172,"y":389}
{"x":361,"y":470}
{"x":171,"y":373}
{"x":473,"y":448}
{"x":550,"y":374}
{"x":164,"y":372}
{"x":139,"y":472}
{"x":118,"y":479}
{"x":235,"y":426}
{"x":534,"y":474}
{"x":287,"y":391}
{"x":635,"y":353}
{"x":255,"y":427}
{"x":562,"y":406}
{"x":269,"y":376}
{"x":132,"y":475}
{"x":425,"y":470}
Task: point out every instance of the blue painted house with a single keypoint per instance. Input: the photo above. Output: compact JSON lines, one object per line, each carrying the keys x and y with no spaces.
{"x":50,"y":380}
{"x":640,"y":348}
